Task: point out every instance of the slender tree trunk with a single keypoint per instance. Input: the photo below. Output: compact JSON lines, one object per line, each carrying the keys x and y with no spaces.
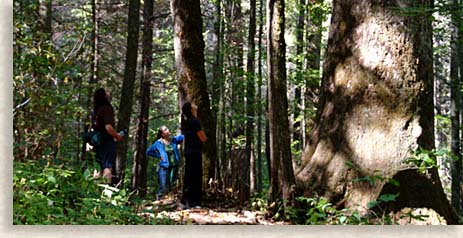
{"x":139,"y":176}
{"x":460,"y":50}
{"x":312,"y":64}
{"x":440,"y":83}
{"x":282,"y":176}
{"x":455,"y":107}
{"x":218,"y":81}
{"x":95,"y":45}
{"x":258,"y":104}
{"x":235,"y":38}
{"x":94,"y":67}
{"x":247,"y":183}
{"x":299,"y":74}
{"x":191,"y":75}
{"x":375,"y":108}
{"x":130,"y":72}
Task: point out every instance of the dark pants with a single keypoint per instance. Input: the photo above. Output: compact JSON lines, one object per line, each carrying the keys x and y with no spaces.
{"x":192,"y":187}
{"x":106,"y":154}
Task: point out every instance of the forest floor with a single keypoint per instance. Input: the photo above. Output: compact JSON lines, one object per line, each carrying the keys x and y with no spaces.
{"x":211,"y":214}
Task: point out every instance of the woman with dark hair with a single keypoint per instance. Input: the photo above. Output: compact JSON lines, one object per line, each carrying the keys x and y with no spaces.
{"x":194,"y":138}
{"x":165,"y":147}
{"x":103,"y":121}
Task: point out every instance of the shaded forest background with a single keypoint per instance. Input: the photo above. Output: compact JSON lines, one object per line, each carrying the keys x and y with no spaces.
{"x":64,"y":50}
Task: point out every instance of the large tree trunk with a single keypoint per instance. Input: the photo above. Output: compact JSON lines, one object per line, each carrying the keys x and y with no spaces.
{"x":282,"y":176}
{"x":191,"y":75}
{"x":130,"y":72}
{"x":375,"y":108}
{"x":140,"y":163}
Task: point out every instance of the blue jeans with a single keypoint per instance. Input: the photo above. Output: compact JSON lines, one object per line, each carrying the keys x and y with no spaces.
{"x":162,"y":180}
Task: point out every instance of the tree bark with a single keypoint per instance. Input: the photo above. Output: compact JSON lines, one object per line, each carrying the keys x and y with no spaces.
{"x":282,"y":176}
{"x":191,"y":75}
{"x":130,"y":72}
{"x":139,"y":177}
{"x":247,"y":183}
{"x":258,"y":104}
{"x":95,"y":41}
{"x":94,"y":75}
{"x":297,"y":103}
{"x":455,"y":107}
{"x":218,"y":88}
{"x":314,"y":19}
{"x":375,"y":108}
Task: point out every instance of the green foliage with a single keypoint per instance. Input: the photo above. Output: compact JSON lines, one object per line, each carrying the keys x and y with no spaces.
{"x":443,"y":124}
{"x":318,"y":211}
{"x":372,"y":179}
{"x":383,"y":199}
{"x":259,"y":202}
{"x":424,"y":159}
{"x":55,"y":195}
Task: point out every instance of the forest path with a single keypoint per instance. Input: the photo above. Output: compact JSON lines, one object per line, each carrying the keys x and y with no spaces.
{"x":169,"y":209}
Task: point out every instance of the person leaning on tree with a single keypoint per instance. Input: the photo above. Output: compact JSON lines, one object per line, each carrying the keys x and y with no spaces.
{"x":194,"y":138}
{"x":103,"y":121}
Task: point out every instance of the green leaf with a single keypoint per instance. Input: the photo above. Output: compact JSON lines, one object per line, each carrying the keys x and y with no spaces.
{"x":394,"y":182}
{"x":342,"y":219}
{"x":372,"y":204}
{"x":388,"y":197}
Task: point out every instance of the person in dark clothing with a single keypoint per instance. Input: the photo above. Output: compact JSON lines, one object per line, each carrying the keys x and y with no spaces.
{"x":194,"y":138}
{"x":103,"y":121}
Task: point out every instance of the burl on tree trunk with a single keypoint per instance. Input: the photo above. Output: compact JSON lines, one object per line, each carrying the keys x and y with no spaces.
{"x":376,"y":107}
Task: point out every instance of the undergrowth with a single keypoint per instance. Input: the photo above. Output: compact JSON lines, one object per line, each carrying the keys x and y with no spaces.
{"x":55,"y":195}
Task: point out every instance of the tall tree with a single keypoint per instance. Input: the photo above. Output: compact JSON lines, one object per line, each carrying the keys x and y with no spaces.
{"x":218,"y":85}
{"x":139,"y":176}
{"x":95,"y":41}
{"x":190,"y":72}
{"x":297,"y":103}
{"x":375,"y":108}
{"x":455,"y":107}
{"x":94,"y":67}
{"x":130,"y":72}
{"x":258,"y":101}
{"x":282,"y":177}
{"x":235,"y":36}
{"x":314,"y":19}
{"x":247,"y":183}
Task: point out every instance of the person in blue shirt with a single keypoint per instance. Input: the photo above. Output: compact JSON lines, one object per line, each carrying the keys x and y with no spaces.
{"x":165,"y":148}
